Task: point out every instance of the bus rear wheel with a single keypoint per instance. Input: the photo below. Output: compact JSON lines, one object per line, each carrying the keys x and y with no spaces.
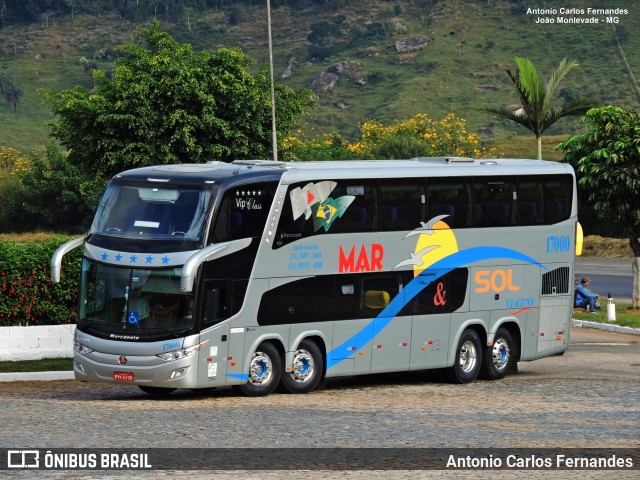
{"x":468,"y":359}
{"x":264,"y":371}
{"x":306,"y":370}
{"x":499,"y":357}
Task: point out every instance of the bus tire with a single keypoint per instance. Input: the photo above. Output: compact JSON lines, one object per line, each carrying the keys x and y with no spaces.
{"x":156,"y":391}
{"x":307,"y":370}
{"x":468,"y":359}
{"x":264,"y":371}
{"x":498,"y":358}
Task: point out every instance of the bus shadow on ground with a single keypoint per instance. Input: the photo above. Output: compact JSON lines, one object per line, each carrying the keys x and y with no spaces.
{"x":358,"y":382}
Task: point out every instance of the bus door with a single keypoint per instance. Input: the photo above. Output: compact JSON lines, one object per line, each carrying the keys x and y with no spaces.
{"x":351,"y":349}
{"x":441,"y":291}
{"x":391,"y":343}
{"x":216,"y":307}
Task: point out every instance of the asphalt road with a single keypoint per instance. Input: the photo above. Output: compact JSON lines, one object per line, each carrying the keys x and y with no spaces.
{"x":608,"y":275}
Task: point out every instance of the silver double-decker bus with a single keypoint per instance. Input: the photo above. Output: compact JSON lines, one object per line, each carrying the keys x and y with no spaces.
{"x":259,"y":273}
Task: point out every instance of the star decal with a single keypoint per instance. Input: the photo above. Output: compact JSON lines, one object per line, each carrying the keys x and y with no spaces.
{"x":165,"y":260}
{"x":118,"y":257}
{"x":104,"y":256}
{"x":133,"y":259}
{"x":149,"y":259}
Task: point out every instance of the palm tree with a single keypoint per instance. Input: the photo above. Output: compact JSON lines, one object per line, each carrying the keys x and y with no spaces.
{"x":537,"y":113}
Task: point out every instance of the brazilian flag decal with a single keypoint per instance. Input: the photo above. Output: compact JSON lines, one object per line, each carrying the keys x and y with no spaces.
{"x":326,"y":212}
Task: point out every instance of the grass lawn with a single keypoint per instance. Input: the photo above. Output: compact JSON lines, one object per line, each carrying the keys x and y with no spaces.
{"x":44,"y":365}
{"x":625,"y":315}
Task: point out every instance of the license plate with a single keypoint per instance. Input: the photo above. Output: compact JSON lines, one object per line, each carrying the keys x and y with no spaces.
{"x":123,"y":376}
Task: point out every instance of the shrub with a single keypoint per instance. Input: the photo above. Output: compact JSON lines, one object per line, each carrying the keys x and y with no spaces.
{"x":12,"y":215}
{"x":327,"y":147}
{"x":419,"y":136}
{"x":44,"y":191}
{"x":27,"y":294}
{"x":54,"y":196}
{"x":424,"y":136}
{"x":12,"y":163}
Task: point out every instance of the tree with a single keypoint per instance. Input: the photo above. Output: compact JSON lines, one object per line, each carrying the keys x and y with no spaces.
{"x":620,"y":37}
{"x":536,"y":113}
{"x":607,"y":163}
{"x":11,"y":92}
{"x":166,"y":104}
{"x":419,"y":136}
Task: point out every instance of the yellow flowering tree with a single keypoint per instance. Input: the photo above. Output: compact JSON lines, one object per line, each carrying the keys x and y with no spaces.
{"x":13,"y":166}
{"x":327,"y":147}
{"x":420,"y":136}
{"x":12,"y":163}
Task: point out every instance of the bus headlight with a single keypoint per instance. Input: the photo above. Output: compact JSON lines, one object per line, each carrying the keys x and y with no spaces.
{"x":82,"y":349}
{"x":182,"y":353}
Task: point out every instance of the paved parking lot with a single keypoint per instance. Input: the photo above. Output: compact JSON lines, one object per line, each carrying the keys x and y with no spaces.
{"x":585,"y":398}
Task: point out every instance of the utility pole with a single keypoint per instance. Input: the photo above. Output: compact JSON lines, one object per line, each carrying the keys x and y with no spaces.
{"x":273,"y":98}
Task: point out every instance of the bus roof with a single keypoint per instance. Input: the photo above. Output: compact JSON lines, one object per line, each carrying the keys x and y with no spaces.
{"x":422,"y":167}
{"x":242,"y":170}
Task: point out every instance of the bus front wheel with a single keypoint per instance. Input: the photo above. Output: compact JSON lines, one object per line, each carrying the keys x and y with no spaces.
{"x":264,"y":371}
{"x":499,"y":357}
{"x":306,"y":369}
{"x":156,"y":391}
{"x":468,"y":358}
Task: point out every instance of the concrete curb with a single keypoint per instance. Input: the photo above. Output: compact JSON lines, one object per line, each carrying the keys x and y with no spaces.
{"x":605,"y":326}
{"x":36,"y":376}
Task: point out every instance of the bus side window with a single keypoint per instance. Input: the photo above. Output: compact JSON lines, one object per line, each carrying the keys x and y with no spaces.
{"x":402,"y":202}
{"x":301,"y":301}
{"x":450,"y":197}
{"x":443,"y":295}
{"x":377,"y":291}
{"x":497,"y":199}
{"x":347,"y":297}
{"x":529,"y":201}
{"x":243,"y":212}
{"x":238,"y":293}
{"x":362,"y":214}
{"x":215,"y":303}
{"x":291,"y":228}
{"x":557,"y":199}
{"x":327,"y":207}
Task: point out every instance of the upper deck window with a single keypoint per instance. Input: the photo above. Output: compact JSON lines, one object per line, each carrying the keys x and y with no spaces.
{"x":152,"y":212}
{"x":402,"y":204}
{"x":495,"y":201}
{"x":243,"y":211}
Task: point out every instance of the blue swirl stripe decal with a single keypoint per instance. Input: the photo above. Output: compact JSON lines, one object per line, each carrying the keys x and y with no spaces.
{"x":415,"y":286}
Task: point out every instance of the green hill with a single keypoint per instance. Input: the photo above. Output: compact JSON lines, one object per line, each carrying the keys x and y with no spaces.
{"x":451,"y":65}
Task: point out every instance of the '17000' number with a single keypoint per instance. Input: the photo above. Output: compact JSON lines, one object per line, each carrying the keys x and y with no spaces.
{"x":558,"y":243}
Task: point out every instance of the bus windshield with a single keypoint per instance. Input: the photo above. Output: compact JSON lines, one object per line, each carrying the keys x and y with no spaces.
{"x":152,"y":212}
{"x":133,"y":301}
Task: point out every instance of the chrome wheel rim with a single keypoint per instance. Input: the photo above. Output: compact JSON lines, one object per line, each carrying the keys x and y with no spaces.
{"x":468,"y":356}
{"x":303,"y":366}
{"x":501,"y":354}
{"x":261,"y":369}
